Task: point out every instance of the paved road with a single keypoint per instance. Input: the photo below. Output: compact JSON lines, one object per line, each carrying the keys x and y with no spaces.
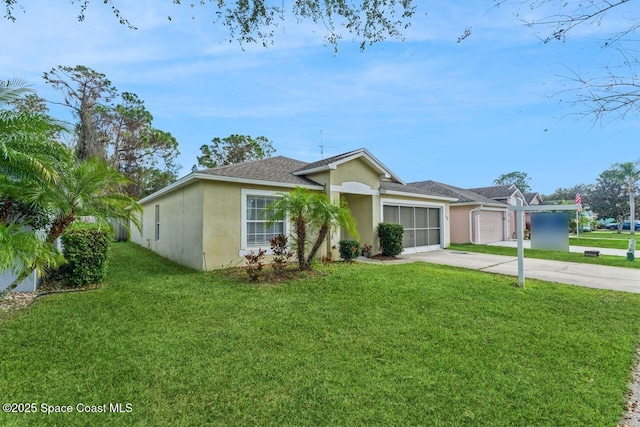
{"x":588,"y":275}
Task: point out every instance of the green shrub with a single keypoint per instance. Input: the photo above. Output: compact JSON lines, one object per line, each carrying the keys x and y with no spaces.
{"x":255,"y":264}
{"x":390,"y":238}
{"x":281,"y":254}
{"x":349,"y":249}
{"x":86,"y":248}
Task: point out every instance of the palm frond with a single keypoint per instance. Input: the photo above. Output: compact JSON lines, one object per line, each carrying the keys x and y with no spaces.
{"x":12,"y":89}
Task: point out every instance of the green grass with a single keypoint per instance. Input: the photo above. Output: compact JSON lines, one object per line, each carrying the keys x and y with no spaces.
{"x":599,"y":242}
{"x":412,"y":344}
{"x":603,"y":239}
{"x":625,"y":235}
{"x":609,"y":260}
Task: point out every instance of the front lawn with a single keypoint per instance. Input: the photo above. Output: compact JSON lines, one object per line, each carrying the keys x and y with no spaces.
{"x":603,"y":239}
{"x":412,"y":344}
{"x":609,"y":260}
{"x":609,"y":234}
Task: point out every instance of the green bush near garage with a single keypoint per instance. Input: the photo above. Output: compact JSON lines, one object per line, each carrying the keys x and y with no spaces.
{"x":390,"y":238}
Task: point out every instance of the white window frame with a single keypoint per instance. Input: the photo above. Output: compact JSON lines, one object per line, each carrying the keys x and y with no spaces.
{"x":244,"y":247}
{"x":411,"y":203}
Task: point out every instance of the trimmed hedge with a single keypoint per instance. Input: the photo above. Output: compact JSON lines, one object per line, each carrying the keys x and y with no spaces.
{"x":349,"y":249}
{"x":86,"y":248}
{"x":390,"y":238}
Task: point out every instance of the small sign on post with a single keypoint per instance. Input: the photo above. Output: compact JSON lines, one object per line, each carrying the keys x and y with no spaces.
{"x":549,"y":231}
{"x":631,"y":252}
{"x":520,"y":210}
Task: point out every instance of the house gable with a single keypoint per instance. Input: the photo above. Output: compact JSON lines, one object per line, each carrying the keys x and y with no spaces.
{"x":356,"y":170}
{"x":503,"y":193}
{"x":332,"y":163}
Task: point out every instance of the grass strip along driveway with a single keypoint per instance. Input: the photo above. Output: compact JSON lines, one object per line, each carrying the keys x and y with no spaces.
{"x":604,"y":239}
{"x":610,"y":260}
{"x":412,"y":344}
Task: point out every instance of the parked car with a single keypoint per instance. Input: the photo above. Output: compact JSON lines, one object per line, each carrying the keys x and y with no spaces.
{"x":625,"y":225}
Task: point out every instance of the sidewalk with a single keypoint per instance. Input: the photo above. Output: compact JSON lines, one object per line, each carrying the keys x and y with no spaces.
{"x":588,"y":275}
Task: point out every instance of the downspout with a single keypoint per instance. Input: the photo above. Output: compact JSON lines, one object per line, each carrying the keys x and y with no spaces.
{"x":471,"y":212}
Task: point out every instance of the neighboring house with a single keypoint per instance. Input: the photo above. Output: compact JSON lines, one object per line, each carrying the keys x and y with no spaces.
{"x":507,"y":194}
{"x":211,"y":218}
{"x":475,"y":218}
{"x":531,"y":199}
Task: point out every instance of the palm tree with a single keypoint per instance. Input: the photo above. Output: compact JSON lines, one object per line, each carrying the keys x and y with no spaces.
{"x":38,"y":171}
{"x":327,"y":216}
{"x":89,"y":187}
{"x":310,"y":212}
{"x":84,"y":188}
{"x":630,"y":173}
{"x":24,"y":251}
{"x":27,"y":152}
{"x":26,"y":147}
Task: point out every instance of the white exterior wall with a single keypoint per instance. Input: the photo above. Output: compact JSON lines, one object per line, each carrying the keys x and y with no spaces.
{"x":30,"y":284}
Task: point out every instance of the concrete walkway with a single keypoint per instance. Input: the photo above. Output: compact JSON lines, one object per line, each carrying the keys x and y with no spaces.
{"x":588,"y":275}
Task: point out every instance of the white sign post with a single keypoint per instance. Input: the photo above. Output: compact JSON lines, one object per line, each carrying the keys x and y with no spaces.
{"x":520,"y":210}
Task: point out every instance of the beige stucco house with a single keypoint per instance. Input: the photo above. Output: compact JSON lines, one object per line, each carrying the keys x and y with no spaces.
{"x":211,"y":218}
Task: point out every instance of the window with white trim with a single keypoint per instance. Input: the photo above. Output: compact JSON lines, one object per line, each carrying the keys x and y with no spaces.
{"x":258,"y":234}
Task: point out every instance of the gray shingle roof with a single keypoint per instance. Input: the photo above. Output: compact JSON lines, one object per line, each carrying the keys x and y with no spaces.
{"x":463,"y":196}
{"x":409,"y":188}
{"x":496,"y":191}
{"x":327,"y":161}
{"x":273,"y":169}
{"x":528,"y":197}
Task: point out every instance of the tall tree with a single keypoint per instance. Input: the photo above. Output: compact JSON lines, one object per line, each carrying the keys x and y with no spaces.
{"x":569,"y":194}
{"x":118,"y":128}
{"x":234,"y":149}
{"x":85,"y":91}
{"x":612,"y":195}
{"x":519,"y":179}
{"x":616,"y":90}
{"x":254,"y":21}
{"x":134,"y":147}
{"x":32,"y":103}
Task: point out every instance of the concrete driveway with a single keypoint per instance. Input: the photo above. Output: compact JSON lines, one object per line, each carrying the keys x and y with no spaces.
{"x":589,"y":275}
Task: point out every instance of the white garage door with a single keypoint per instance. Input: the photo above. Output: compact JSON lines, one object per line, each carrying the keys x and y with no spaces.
{"x":422,"y":225}
{"x":491,"y":226}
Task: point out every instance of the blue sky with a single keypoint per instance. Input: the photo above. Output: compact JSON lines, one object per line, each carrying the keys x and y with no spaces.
{"x":427,"y":107}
